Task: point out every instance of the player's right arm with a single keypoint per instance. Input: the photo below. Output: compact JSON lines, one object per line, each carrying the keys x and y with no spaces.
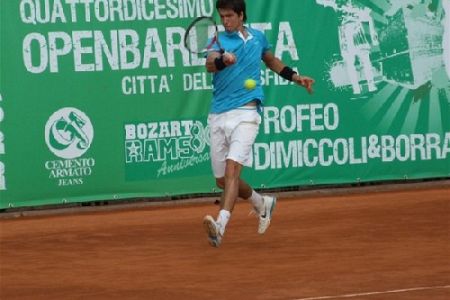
{"x":216,"y":61}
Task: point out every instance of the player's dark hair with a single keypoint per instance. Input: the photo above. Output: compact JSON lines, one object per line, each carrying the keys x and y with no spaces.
{"x":238,"y":6}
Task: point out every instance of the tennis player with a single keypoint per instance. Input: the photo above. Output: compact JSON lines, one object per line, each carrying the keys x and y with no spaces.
{"x":235,"y":113}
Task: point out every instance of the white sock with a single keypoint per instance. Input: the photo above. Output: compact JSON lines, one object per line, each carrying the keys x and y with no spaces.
{"x":222,"y":219}
{"x":257,"y":201}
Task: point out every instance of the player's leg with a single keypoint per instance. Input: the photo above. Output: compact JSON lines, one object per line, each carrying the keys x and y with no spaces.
{"x":245,"y":192}
{"x":241,"y":145}
{"x":241,"y":130}
{"x":232,"y":137}
{"x":230,"y":193}
{"x":218,"y":152}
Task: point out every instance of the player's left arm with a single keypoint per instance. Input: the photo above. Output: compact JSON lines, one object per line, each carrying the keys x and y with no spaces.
{"x":276,"y":65}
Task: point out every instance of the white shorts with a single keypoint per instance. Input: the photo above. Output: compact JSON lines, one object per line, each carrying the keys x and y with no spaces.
{"x":232,"y":135}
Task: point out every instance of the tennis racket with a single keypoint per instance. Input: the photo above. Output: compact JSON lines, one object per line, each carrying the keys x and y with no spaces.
{"x":202,"y":35}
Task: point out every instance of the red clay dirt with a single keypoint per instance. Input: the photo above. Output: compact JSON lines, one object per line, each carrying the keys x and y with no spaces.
{"x":371,"y":246}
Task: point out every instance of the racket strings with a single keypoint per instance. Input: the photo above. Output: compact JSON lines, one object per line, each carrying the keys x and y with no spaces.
{"x":201,"y":36}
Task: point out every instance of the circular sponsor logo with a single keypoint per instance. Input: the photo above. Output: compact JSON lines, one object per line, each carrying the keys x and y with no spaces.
{"x":200,"y":136}
{"x":69,"y":133}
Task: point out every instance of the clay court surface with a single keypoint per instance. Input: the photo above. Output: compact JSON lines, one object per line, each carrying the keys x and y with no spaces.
{"x":368,"y":244}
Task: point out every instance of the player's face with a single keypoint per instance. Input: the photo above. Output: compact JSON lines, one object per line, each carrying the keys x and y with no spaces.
{"x":230,"y":19}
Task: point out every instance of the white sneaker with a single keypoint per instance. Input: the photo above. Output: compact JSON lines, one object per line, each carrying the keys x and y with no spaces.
{"x":213,"y":231}
{"x":266,"y":215}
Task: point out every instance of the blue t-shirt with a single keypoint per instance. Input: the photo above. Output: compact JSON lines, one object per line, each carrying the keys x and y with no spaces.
{"x":229,"y":91}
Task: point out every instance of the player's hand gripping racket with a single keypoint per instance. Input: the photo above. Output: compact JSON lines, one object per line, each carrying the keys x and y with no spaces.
{"x":202,"y":36}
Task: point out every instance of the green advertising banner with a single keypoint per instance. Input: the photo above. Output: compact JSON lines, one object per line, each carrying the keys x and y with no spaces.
{"x":100,"y":100}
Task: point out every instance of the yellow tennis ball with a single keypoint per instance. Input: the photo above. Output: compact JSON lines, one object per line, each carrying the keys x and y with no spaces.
{"x":250,"y":84}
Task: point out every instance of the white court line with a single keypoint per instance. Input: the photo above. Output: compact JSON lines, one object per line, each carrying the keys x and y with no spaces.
{"x":424,"y":288}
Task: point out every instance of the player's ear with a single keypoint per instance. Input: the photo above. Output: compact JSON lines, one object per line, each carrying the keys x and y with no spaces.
{"x":241,"y":16}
